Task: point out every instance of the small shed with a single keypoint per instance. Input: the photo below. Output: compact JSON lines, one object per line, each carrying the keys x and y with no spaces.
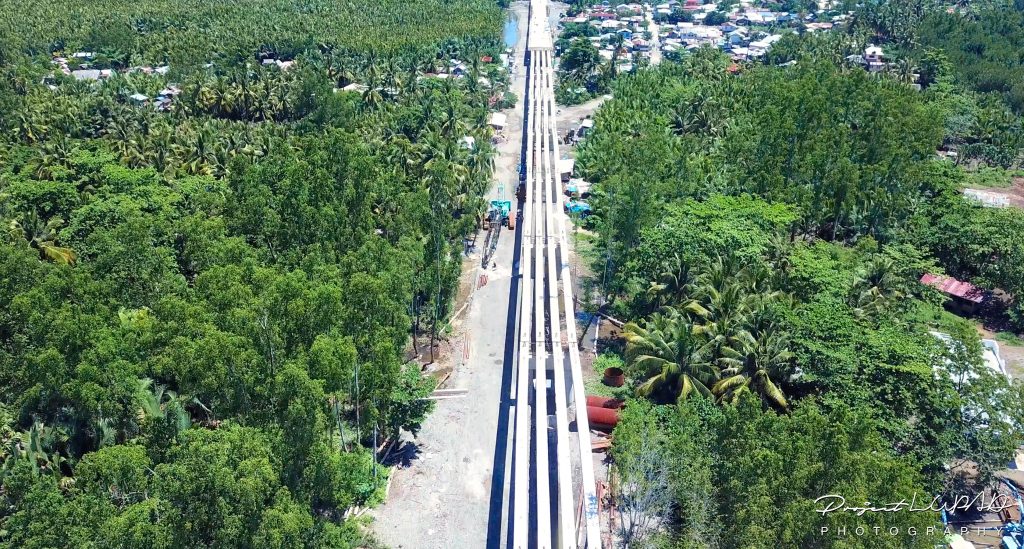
{"x":965,"y":297}
{"x":585,"y":126}
{"x":170,"y":91}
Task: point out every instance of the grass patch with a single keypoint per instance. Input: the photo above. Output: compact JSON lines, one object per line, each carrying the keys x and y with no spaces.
{"x":987,"y":177}
{"x":1010,"y":338}
{"x":936,"y":317}
{"x":596,"y":385}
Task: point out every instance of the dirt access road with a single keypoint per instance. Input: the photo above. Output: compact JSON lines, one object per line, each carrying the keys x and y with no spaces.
{"x":449,"y":486}
{"x":448,"y":489}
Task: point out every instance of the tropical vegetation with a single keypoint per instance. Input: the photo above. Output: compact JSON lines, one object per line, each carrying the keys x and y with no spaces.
{"x":208,"y":302}
{"x":762,"y":235}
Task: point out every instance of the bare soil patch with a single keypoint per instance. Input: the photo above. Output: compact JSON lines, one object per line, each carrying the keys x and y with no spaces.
{"x":1014,"y":194}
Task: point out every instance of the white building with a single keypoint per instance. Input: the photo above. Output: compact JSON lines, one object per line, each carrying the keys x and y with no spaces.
{"x":875,"y":58}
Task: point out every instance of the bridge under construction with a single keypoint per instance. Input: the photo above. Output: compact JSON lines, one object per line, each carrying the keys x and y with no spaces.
{"x":553,"y":492}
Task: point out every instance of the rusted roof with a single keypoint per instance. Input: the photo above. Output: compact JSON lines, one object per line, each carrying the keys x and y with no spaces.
{"x":951,"y":286}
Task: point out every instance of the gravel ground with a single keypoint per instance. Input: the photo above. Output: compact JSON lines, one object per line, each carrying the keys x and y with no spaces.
{"x":449,"y":489}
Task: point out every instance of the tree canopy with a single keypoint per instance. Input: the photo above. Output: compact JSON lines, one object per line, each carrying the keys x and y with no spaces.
{"x":207,"y":298}
{"x":763,"y":235}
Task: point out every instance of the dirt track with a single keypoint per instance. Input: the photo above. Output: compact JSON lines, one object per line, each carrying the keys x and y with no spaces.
{"x":441,"y":487}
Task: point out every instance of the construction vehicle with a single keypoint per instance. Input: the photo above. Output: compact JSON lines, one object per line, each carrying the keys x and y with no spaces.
{"x":499,"y":213}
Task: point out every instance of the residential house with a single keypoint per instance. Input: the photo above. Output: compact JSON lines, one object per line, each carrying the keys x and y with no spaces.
{"x":874,"y":58}
{"x":87,"y":74}
{"x":565,"y":169}
{"x":585,"y":126}
{"x":760,"y":47}
{"x":694,"y":34}
{"x":739,"y":53}
{"x":738,"y":36}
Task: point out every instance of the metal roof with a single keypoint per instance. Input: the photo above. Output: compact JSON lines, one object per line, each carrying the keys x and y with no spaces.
{"x":954,"y":287}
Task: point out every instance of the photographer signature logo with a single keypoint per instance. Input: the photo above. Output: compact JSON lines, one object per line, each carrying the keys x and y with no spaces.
{"x":832,"y":503}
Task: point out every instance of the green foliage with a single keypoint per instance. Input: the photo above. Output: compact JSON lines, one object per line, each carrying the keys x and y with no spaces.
{"x":607,"y":360}
{"x":982,"y":48}
{"x":205,"y":308}
{"x":989,"y":177}
{"x":579,"y":60}
{"x":697,"y":232}
{"x":764,"y":472}
{"x":579,"y":71}
{"x":571,"y":31}
{"x":840,"y":145}
{"x":765,"y":233}
{"x":218,"y":488}
{"x":716,"y":18}
{"x":184,"y":33}
{"x":978,"y":244}
{"x":1010,"y":339}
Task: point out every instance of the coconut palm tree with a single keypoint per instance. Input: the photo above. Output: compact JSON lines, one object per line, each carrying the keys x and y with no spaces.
{"x":875,"y":286}
{"x":673,"y":354}
{"x":674,"y":285}
{"x":42,"y":235}
{"x":30,"y":124}
{"x":39,"y":447}
{"x":750,"y":366}
{"x":157,"y":403}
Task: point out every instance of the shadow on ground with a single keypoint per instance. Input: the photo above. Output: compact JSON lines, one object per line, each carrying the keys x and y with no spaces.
{"x":498,"y":468}
{"x":403,"y":456}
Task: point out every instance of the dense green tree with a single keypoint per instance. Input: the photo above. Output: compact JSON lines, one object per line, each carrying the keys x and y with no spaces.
{"x":206,"y":307}
{"x":767,"y":472}
{"x":579,"y":61}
